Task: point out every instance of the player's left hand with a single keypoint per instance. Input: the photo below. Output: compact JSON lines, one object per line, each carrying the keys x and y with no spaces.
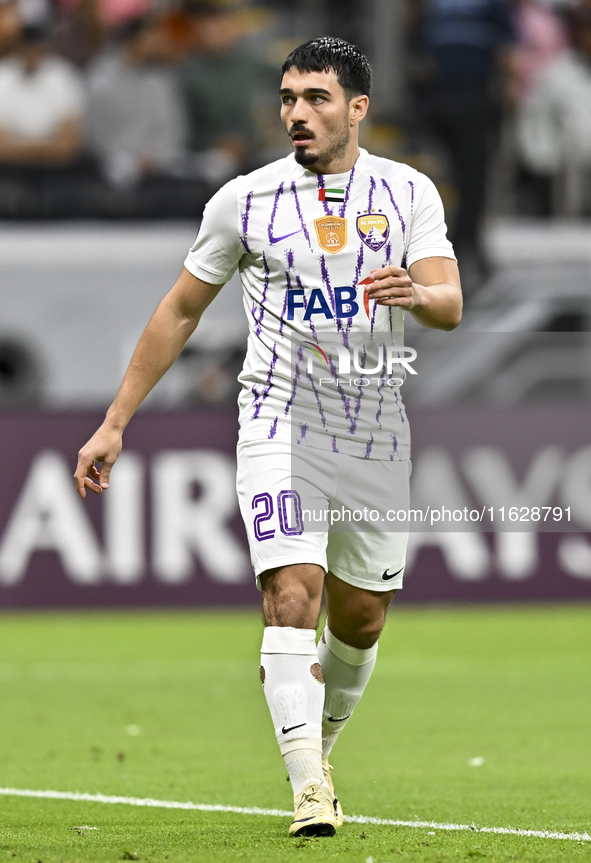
{"x":392,"y":286}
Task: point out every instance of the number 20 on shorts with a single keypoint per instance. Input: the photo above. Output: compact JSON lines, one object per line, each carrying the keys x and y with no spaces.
{"x":263,"y":503}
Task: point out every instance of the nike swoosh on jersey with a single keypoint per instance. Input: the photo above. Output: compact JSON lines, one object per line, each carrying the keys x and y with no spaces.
{"x":285,"y":730}
{"x":274,"y":240}
{"x":386,"y":576}
{"x":338,"y":718}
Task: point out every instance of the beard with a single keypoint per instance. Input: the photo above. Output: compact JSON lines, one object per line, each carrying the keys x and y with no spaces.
{"x":305,"y":159}
{"x":335,"y":149}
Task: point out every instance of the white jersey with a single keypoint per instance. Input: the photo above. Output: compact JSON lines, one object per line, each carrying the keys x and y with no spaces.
{"x":304,"y":244}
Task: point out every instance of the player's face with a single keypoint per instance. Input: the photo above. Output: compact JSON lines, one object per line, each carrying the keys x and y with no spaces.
{"x":319,"y":120}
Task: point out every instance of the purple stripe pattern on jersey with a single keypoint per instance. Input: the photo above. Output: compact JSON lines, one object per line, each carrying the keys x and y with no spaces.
{"x":373,"y":318}
{"x":395,"y":205}
{"x":394,"y":447}
{"x":296,"y":380}
{"x":278,"y":194}
{"x":399,"y":406}
{"x":358,"y":268}
{"x":368,"y":447}
{"x":412,"y":207}
{"x":329,"y":291}
{"x":412,"y":198}
{"x":358,"y":401}
{"x":284,"y":310}
{"x":345,"y":401}
{"x":372,"y":188}
{"x":273,"y":429}
{"x":245,"y":217}
{"x":294,"y":192}
{"x":305,"y":300}
{"x":259,"y":399}
{"x":359,"y":264}
{"x":343,"y":209}
{"x":318,"y":400}
{"x":362,"y":360}
{"x":259,"y":321}
{"x":303,"y":430}
{"x":380,"y":403}
{"x":334,"y":443}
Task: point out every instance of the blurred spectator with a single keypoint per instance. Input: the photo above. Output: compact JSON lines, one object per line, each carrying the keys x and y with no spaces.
{"x":111,"y":13}
{"x":222,"y":85}
{"x":10,"y":25}
{"x":36,"y":13}
{"x":135,"y":125}
{"x":80,"y":31}
{"x":554,"y":124}
{"x":137,"y":129}
{"x":541,"y":36}
{"x":464,"y":40}
{"x":84,"y":26}
{"x":42,"y":107}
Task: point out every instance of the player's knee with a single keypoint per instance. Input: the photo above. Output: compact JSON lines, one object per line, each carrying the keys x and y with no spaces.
{"x":290,"y":593}
{"x":290,"y":604}
{"x":293,"y":583}
{"x":367,"y":634}
{"x":360,"y":629}
{"x":292,"y":596}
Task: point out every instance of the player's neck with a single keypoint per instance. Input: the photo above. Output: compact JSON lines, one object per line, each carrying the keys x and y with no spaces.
{"x":340,"y":165}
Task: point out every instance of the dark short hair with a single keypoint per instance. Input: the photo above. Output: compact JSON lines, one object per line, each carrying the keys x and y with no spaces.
{"x":349,"y":64}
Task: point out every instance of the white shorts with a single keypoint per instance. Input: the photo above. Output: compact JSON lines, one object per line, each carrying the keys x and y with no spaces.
{"x":313,"y":506}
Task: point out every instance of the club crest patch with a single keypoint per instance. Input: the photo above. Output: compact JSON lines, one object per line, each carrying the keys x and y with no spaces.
{"x":332,"y":233}
{"x":374,"y":230}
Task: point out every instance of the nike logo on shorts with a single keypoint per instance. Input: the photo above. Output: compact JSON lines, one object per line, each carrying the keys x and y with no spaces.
{"x":338,"y":718}
{"x":274,"y":240}
{"x":285,"y":730}
{"x":386,"y":576}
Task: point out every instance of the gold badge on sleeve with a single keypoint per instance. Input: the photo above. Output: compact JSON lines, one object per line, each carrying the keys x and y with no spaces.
{"x":332,"y":233}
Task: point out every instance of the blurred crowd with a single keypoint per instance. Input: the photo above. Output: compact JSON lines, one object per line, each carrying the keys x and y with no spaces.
{"x":114,"y":108}
{"x":133,"y":109}
{"x":504,"y":86}
{"x":142,"y":108}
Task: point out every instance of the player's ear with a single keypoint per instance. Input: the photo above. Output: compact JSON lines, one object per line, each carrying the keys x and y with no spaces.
{"x":358,"y":109}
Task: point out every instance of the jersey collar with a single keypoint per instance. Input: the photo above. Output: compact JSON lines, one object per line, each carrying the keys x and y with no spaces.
{"x":300,"y":171}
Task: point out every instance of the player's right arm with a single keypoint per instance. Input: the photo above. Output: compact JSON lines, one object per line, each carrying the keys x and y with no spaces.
{"x":160,"y":344}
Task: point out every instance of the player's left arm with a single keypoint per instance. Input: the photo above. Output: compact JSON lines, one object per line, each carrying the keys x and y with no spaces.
{"x":430,"y":291}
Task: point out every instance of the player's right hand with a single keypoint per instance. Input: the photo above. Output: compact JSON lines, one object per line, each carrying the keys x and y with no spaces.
{"x":104,"y":446}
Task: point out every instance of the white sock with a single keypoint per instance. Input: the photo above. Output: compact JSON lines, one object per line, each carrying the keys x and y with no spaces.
{"x":346,"y":672}
{"x":294,"y":689}
{"x":302,"y":758}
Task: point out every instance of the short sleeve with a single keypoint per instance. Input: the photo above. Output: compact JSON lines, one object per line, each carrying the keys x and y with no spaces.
{"x":428,"y":231}
{"x":216,"y":253}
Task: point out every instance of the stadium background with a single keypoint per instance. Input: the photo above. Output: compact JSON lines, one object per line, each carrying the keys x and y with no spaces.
{"x":129,"y":624}
{"x":83,"y":267}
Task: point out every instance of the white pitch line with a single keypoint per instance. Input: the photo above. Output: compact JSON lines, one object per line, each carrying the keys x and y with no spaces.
{"x":255,"y":810}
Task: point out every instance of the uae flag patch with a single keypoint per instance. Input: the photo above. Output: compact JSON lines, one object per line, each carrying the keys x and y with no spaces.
{"x":335,"y":196}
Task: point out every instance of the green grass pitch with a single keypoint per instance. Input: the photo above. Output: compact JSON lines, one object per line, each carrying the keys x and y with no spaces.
{"x":169,"y":706}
